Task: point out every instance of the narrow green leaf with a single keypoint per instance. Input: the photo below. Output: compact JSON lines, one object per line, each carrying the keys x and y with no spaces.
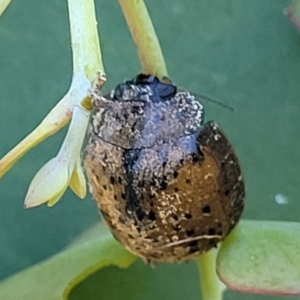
{"x":262,"y":257}
{"x":54,"y":278}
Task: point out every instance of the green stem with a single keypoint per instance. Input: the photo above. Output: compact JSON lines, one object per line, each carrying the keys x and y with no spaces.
{"x":84,"y":37}
{"x":3,"y":5}
{"x":87,"y":62}
{"x":144,"y":36}
{"x":210,"y":285}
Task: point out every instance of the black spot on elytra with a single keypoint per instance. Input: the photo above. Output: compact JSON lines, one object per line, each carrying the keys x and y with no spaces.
{"x":190,"y":232}
{"x":175,"y":174}
{"x":115,"y":197}
{"x":175,"y":217}
{"x":104,"y":186}
{"x":195,"y":157}
{"x":227,"y":192}
{"x":152,"y":215}
{"x":211,"y":231}
{"x":176,"y":227}
{"x":193,"y":247}
{"x":120,"y":180}
{"x":188,"y":216}
{"x":163,"y":185}
{"x":176,"y":190}
{"x":188,"y":181}
{"x":206,"y":209}
{"x":123,"y":196}
{"x":140,"y":214}
{"x":141,"y":183}
{"x":112,"y":180}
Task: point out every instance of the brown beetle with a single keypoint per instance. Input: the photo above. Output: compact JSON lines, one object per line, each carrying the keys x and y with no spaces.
{"x":168,"y":186}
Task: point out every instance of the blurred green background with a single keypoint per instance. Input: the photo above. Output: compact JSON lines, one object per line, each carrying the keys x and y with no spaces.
{"x":243,"y":53}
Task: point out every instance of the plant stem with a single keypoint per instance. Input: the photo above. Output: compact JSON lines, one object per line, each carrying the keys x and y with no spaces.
{"x":3,"y":5}
{"x":144,"y":36}
{"x":87,"y":62}
{"x":210,"y":285}
{"x":84,"y":37}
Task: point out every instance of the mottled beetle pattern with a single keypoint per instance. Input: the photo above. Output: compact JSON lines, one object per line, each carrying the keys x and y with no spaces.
{"x":168,"y":186}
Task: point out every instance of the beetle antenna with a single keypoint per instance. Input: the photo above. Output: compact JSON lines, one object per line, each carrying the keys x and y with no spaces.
{"x":167,"y":80}
{"x":212,"y":100}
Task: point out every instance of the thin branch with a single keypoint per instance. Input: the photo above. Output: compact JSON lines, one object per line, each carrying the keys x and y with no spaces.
{"x":211,"y":287}
{"x":84,"y":37}
{"x":87,"y":65}
{"x":3,"y":5}
{"x":144,"y":36}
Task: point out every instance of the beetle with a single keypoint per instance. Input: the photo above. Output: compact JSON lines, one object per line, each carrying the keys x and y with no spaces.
{"x":168,"y":185}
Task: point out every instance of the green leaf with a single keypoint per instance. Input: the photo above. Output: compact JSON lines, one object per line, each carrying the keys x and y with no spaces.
{"x":54,"y":278}
{"x":262,"y":257}
{"x":141,"y":282}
